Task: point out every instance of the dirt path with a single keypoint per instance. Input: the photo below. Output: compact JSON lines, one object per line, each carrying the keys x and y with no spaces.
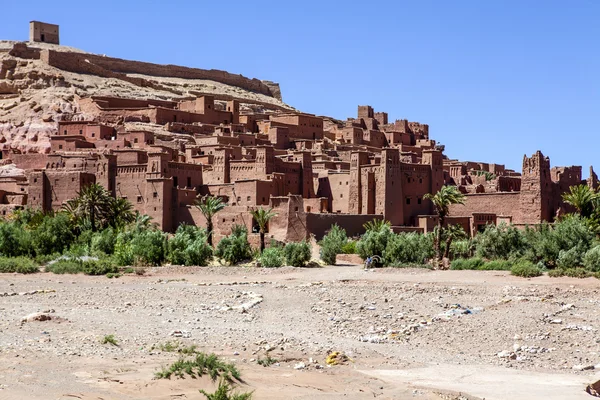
{"x":409,"y":333}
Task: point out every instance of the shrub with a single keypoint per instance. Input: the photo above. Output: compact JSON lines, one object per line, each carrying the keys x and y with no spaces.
{"x":297,"y":254}
{"x":546,"y":241}
{"x":525,"y":269}
{"x":99,"y":267}
{"x":556,"y":273}
{"x":53,"y":235}
{"x":14,"y":240}
{"x":109,"y":339}
{"x":408,"y":248}
{"x":225,"y":392}
{"x":591,"y":259}
{"x":576,"y":273}
{"x":104,"y":241}
{"x":349,"y":247}
{"x":499,"y":241}
{"x":496,"y":265}
{"x":272,"y":257}
{"x":568,"y":259}
{"x":189,"y":246}
{"x":332,"y":244}
{"x":144,"y":246}
{"x":235,"y":247}
{"x":65,"y":266}
{"x":202,"y":364}
{"x":21,"y":265}
{"x":461,"y":248}
{"x":374,"y":242}
{"x":466,"y":263}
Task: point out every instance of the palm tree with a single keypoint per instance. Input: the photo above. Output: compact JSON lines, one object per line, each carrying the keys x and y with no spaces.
{"x":442,"y":200}
{"x":453,"y":232}
{"x":583,"y":198}
{"x":209,"y":206}
{"x":120,"y":213}
{"x":93,"y":203}
{"x":262,"y":217}
{"x":376,"y":225}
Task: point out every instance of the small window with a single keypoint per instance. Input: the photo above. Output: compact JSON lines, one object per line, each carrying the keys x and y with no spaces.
{"x":81,"y":131}
{"x":248,"y":198}
{"x":341,"y":195}
{"x":139,"y":199}
{"x":93,"y":134}
{"x":35,"y":179}
{"x":60,"y":146}
{"x":155,"y":194}
{"x":420,"y":180}
{"x":408,"y":200}
{"x":296,"y":209}
{"x":419,"y":200}
{"x":263,"y":199}
{"x":65,"y":131}
{"x":239,"y":199}
{"x":135,"y":140}
{"x":189,"y":181}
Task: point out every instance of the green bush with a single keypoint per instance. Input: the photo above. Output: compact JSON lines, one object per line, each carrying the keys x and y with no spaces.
{"x":500,"y":241}
{"x":65,"y":266}
{"x":104,"y":241}
{"x":332,"y":244}
{"x":568,"y":259}
{"x":525,"y":269}
{"x":21,"y":265}
{"x":545,"y":242}
{"x":235,"y":247}
{"x":374,"y":242}
{"x":591,"y":259}
{"x":408,"y":248}
{"x":99,"y":267}
{"x":53,"y":235}
{"x":496,"y":265}
{"x":15,"y":240}
{"x":556,"y":273}
{"x":189,"y":246}
{"x":297,"y":254}
{"x":576,"y":273}
{"x":461,"y":249}
{"x":466,"y":263}
{"x":272,"y":257}
{"x":349,"y":247}
{"x":145,"y":247}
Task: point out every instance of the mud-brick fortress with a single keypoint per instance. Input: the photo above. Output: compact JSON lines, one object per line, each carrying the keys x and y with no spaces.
{"x":315,"y":171}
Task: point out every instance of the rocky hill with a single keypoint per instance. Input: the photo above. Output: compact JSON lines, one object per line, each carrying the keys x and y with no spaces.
{"x":41,"y":84}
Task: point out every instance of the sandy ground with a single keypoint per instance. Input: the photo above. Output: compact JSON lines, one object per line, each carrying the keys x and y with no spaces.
{"x":411,"y":334}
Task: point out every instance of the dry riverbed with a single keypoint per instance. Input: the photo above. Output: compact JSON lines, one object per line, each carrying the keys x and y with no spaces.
{"x":407,"y":333}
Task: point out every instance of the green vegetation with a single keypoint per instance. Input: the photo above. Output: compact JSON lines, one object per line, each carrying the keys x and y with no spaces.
{"x":442,"y":201}
{"x":267,"y":361}
{"x":235,"y":247}
{"x":262,"y":217}
{"x":332,"y":244}
{"x":272,"y":257}
{"x":21,"y":265}
{"x":209,"y":206}
{"x":189,"y":246}
{"x":198,"y":364}
{"x":525,"y":269}
{"x":297,"y":254}
{"x":225,"y":392}
{"x":88,"y":267}
{"x":109,"y":339}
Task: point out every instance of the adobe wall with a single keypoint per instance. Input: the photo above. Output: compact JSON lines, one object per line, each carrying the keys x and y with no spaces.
{"x":117,"y":68}
{"x":319,"y":224}
{"x":501,"y":204}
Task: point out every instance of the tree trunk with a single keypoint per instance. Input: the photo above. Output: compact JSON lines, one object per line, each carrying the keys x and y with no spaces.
{"x":262,"y":241}
{"x":438,"y":242}
{"x":209,"y":228}
{"x":447,"y":249}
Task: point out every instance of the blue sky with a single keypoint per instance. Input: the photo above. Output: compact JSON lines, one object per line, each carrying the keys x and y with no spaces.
{"x":493,"y":79}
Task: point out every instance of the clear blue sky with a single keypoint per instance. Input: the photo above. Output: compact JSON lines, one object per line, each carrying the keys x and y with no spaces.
{"x":493,"y":79}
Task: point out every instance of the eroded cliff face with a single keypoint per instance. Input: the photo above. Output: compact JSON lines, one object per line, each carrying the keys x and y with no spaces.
{"x":35,"y":95}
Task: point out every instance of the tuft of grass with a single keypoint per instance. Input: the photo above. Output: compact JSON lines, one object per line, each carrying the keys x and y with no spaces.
{"x":111,"y":275}
{"x":525,"y":269}
{"x":21,"y":265}
{"x":109,"y":339}
{"x":225,"y":392}
{"x":200,"y":365}
{"x":267,"y":361}
{"x":466,"y":263}
{"x":556,"y":273}
{"x":129,"y":270}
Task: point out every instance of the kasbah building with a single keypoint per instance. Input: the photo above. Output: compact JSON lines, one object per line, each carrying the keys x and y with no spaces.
{"x":314,"y":171}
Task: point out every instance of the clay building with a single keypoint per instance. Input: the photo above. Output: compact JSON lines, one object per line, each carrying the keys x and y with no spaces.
{"x":43,"y":32}
{"x":314,"y":172}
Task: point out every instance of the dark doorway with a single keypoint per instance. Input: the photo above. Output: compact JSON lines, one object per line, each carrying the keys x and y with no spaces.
{"x":43,"y":38}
